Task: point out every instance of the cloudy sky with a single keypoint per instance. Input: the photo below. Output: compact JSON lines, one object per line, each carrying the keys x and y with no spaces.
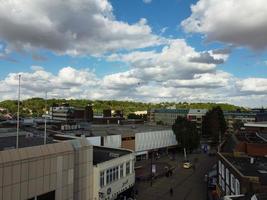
{"x":142,"y":50}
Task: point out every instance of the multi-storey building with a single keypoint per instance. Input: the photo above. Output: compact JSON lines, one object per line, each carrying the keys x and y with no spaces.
{"x":166,"y":116}
{"x":233,"y":117}
{"x":242,"y":165}
{"x":114,"y":174}
{"x":197,"y":116}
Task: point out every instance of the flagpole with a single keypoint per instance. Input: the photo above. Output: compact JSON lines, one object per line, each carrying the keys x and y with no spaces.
{"x":45,"y":117}
{"x":17,"y":142}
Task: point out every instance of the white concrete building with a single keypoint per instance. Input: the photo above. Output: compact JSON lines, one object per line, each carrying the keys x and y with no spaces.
{"x":113,"y":171}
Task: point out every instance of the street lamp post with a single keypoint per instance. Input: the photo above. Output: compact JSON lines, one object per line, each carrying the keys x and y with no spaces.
{"x":45,"y":117}
{"x":17,"y":138}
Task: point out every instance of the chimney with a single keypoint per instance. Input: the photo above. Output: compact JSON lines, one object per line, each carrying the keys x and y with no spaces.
{"x":251,"y":160}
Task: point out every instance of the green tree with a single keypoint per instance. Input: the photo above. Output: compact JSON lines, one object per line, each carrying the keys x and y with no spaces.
{"x":186,"y":133}
{"x":237,"y":125}
{"x":214,"y":124}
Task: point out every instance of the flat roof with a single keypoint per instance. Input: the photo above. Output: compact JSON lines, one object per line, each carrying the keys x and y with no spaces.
{"x":256,"y":124}
{"x":197,"y":111}
{"x":177,"y":111}
{"x":242,"y":164}
{"x":9,"y":142}
{"x":103,"y":154}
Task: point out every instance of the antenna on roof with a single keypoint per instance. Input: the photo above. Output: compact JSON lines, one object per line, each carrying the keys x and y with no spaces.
{"x":45,"y":117}
{"x":17,"y":138}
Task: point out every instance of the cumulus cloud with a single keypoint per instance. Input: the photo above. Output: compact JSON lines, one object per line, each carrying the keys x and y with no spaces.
{"x":242,"y":23}
{"x":253,"y":85}
{"x":147,"y":1}
{"x":206,"y":58}
{"x":218,"y":86}
{"x":70,"y":27}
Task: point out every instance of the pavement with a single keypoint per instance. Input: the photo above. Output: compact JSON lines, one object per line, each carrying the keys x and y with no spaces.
{"x":187,"y":184}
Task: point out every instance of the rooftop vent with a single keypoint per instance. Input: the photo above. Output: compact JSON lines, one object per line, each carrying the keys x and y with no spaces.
{"x":251,"y":160}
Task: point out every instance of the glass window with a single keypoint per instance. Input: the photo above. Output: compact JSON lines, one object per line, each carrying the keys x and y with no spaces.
{"x":127,"y":168}
{"x":102,"y":181}
{"x":237,"y":187}
{"x":108,"y":176}
{"x":223,"y":171}
{"x":220,"y":180}
{"x":220,"y":167}
{"x":116,"y":173}
{"x":121,"y":170}
{"x":223,"y":185}
{"x":227,"y":176}
{"x":232,"y":183}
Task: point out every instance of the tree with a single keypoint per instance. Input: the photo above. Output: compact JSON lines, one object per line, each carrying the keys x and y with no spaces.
{"x":186,"y":133}
{"x":237,"y":125}
{"x":214,"y":124}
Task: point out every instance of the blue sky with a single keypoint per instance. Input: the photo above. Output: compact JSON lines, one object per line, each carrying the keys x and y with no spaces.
{"x":130,"y":50}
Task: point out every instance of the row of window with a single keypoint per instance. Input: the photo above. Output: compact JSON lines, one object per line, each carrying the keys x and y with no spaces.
{"x":227,"y":181}
{"x":113,"y":174}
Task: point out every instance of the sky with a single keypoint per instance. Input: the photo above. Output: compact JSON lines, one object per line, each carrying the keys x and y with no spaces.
{"x":137,"y":50}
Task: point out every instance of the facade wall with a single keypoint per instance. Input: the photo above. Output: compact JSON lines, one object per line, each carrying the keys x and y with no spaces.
{"x":113,"y":141}
{"x":128,"y":143}
{"x":120,"y":183}
{"x":27,"y":173}
{"x":154,"y":140}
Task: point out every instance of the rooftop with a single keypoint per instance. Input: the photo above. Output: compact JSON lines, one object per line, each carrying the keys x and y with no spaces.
{"x":114,"y":129}
{"x":243,"y":165}
{"x":178,"y":111}
{"x":26,"y":139}
{"x":103,"y":154}
{"x":198,"y":111}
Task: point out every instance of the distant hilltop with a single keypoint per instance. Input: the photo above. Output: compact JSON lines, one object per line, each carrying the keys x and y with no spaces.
{"x":35,"y":106}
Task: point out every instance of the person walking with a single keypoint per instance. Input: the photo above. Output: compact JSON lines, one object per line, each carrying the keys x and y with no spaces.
{"x":171,"y":192}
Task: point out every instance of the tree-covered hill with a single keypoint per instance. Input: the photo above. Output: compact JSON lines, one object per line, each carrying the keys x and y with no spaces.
{"x":36,"y":106}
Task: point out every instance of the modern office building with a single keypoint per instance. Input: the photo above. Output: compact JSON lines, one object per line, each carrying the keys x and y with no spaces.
{"x":197,"y":116}
{"x":233,"y":117}
{"x":69,"y":114}
{"x":113,"y":171}
{"x":165,"y":116}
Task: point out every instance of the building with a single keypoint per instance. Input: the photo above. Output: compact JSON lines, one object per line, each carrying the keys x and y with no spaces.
{"x":71,"y":114}
{"x":232,"y":117}
{"x":140,"y":138}
{"x":166,"y":116}
{"x":58,"y":171}
{"x":241,"y":174}
{"x":113,"y":171}
{"x":259,"y":127}
{"x":242,"y":165}
{"x":197,"y":116}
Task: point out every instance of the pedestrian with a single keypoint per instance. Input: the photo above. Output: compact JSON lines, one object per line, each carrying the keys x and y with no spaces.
{"x":171,"y":191}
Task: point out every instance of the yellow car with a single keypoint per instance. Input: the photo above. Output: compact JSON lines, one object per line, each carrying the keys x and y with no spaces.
{"x":187,"y":165}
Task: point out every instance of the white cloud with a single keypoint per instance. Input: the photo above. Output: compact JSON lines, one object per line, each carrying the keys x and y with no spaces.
{"x":217,"y":86}
{"x":147,"y":1}
{"x":242,"y":23}
{"x":70,"y":27}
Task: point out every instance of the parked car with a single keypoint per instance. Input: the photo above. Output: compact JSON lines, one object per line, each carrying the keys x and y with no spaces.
{"x":187,"y":165}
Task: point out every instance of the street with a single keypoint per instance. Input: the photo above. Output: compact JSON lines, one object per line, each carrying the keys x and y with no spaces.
{"x":187,"y":184}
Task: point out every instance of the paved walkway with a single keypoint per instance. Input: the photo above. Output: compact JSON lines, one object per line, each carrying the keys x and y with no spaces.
{"x":187,"y":184}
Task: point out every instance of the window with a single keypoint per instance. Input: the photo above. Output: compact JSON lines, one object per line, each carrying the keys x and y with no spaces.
{"x":116,"y":173}
{"x":232,"y":183}
{"x":102,"y":180}
{"x":121,"y":170}
{"x":108,"y":176}
{"x":220,"y":167}
{"x":127,"y":168}
{"x":220,"y":180}
{"x":223,"y":171}
{"x":237,"y":187}
{"x":227,"y":190}
{"x":227,"y":176}
{"x":223,"y":185}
